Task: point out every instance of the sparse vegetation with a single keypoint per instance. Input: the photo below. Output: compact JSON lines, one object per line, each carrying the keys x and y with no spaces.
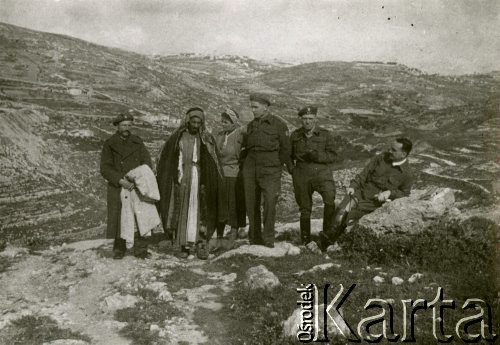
{"x":51,"y":190}
{"x":183,"y":278}
{"x":5,"y":263}
{"x":457,"y":257}
{"x":365,"y":104}
{"x":141,"y":334}
{"x":35,"y":330}
{"x":150,"y":310}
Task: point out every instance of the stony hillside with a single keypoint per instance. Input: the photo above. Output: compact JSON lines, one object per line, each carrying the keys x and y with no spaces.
{"x":58,"y":94}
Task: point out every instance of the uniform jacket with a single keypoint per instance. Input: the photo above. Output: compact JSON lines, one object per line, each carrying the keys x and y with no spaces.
{"x":317,"y":149}
{"x":118,"y":157}
{"x":268,"y":137}
{"x":380,"y":175}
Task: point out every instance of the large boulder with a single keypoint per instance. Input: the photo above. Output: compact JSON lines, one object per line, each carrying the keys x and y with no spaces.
{"x":259,"y":277}
{"x":13,"y":252}
{"x":411,"y":214}
{"x":117,"y":301}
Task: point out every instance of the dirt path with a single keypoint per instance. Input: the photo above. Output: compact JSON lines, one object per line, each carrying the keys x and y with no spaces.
{"x":81,"y":286}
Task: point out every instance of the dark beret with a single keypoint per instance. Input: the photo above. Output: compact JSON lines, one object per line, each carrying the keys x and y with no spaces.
{"x":261,"y":98}
{"x":309,"y":110}
{"x":122,"y":117}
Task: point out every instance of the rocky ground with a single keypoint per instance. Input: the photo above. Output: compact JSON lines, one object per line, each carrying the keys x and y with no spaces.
{"x":55,"y":111}
{"x":81,"y":287}
{"x":77,"y":294}
{"x":58,"y":96}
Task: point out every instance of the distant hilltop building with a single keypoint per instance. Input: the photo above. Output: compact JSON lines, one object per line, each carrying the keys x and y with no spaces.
{"x":161,"y":120}
{"x":374,"y":63}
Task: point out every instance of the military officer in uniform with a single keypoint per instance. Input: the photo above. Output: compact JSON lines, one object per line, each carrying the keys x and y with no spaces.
{"x":313,"y":152}
{"x":266,"y":149}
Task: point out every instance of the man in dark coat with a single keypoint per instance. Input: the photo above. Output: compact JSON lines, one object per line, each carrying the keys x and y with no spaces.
{"x":266,"y":149}
{"x":313,"y":152}
{"x":121,"y":153}
{"x":188,"y":176}
{"x":386,"y":177}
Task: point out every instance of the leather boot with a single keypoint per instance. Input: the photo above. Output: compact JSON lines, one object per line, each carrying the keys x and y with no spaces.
{"x":328,"y":217}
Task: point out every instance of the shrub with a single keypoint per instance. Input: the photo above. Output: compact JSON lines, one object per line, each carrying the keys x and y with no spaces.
{"x":148,"y":311}
{"x":34,"y":330}
{"x":465,"y":249}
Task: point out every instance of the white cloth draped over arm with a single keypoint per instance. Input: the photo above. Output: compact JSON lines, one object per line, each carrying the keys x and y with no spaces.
{"x":138,"y":208}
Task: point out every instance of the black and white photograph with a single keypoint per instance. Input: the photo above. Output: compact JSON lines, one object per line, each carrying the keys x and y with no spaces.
{"x":249,"y":172}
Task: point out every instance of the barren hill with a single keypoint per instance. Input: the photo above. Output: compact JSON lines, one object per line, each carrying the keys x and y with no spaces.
{"x":58,"y":94}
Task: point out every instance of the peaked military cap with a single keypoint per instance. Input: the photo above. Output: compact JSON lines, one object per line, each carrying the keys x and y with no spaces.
{"x":261,"y":98}
{"x":122,"y":117}
{"x":309,"y":110}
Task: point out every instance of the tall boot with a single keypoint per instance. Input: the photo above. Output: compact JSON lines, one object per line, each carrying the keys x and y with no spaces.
{"x":328,"y":235}
{"x":328,"y":218}
{"x":336,"y":233}
{"x":305,"y":230}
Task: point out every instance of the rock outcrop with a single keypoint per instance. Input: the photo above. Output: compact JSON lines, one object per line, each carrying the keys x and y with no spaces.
{"x":411,"y":214}
{"x":259,"y":277}
{"x":67,"y":342}
{"x":117,"y":301}
{"x":280,"y":249}
{"x":318,"y":268}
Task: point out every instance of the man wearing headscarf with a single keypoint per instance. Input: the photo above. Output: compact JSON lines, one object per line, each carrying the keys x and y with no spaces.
{"x":231,"y":193}
{"x":188,"y":175}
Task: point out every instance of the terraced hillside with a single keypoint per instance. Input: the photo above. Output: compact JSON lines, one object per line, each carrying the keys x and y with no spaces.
{"x":58,"y":94}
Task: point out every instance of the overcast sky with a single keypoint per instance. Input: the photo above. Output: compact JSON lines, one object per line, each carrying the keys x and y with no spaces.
{"x":438,"y":36}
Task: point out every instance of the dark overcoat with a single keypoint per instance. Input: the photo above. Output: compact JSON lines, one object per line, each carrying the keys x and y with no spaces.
{"x":167,"y":178}
{"x":118,"y":157}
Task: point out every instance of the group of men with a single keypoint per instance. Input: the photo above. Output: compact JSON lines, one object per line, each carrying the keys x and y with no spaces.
{"x":209,"y":181}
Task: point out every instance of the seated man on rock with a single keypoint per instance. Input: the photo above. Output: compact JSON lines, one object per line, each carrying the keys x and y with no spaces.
{"x":386,"y":177}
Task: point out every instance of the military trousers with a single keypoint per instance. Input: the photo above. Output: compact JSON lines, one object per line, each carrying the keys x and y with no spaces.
{"x":262,"y":181}
{"x":363,"y":206}
{"x":307,"y":179}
